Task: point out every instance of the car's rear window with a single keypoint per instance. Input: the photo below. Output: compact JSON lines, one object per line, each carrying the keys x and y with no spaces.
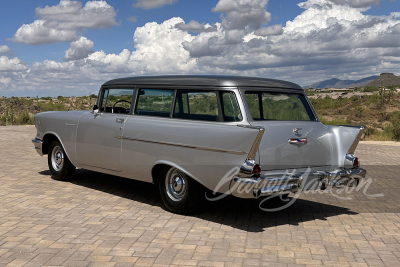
{"x":278,"y":106}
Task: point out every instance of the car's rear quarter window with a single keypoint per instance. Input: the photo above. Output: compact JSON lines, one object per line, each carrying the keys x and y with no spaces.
{"x":278,"y":106}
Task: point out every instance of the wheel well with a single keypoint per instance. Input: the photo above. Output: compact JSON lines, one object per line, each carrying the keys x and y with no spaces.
{"x":47,"y":140}
{"x":157,"y":170}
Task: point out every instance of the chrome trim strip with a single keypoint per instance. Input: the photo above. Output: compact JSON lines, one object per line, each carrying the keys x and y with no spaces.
{"x":356,"y":140}
{"x":69,"y":124}
{"x":253,"y":151}
{"x":182,"y":145}
{"x":251,"y":127}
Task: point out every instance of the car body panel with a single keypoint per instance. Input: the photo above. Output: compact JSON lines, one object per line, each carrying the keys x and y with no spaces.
{"x":63,"y":125}
{"x":206,"y":150}
{"x":130,"y":145}
{"x":96,"y":144}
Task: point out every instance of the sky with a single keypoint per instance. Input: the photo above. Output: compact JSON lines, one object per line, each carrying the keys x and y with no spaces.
{"x":70,"y":48}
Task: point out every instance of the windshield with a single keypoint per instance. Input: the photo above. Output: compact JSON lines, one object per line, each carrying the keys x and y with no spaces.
{"x":278,"y":106}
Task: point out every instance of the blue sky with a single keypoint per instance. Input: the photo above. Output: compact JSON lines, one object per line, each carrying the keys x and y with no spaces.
{"x":72,"y":47}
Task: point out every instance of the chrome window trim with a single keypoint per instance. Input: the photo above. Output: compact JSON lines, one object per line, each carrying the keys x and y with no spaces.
{"x":182,"y":145}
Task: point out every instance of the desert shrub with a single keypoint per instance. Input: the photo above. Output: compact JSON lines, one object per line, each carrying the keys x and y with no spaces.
{"x":382,"y":116}
{"x":371,"y":88}
{"x":328,"y":103}
{"x":50,"y":106}
{"x":24,"y":118}
{"x":370,"y":131}
{"x":395,"y":117}
{"x":308,"y":92}
{"x":375,"y":98}
{"x":27,"y":102}
{"x":355,"y":98}
{"x":396,"y":131}
{"x":359,"y":111}
{"x":333,"y":122}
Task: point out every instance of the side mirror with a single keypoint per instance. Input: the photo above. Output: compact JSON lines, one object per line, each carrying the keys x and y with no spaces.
{"x":95,"y":109}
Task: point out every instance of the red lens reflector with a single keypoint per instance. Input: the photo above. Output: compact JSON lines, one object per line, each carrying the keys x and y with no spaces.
{"x":356,"y":163}
{"x":256,"y":169}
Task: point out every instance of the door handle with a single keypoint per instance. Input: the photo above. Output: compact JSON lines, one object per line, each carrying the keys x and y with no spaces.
{"x":119,"y":120}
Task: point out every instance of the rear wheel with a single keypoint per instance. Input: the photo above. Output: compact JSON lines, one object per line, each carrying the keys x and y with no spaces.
{"x":180,"y":193}
{"x":60,"y":167}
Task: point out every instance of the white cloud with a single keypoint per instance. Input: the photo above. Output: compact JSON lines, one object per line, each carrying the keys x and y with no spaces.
{"x":357,"y":3}
{"x":150,"y":4}
{"x":272,"y":30}
{"x":242,"y":14}
{"x":14,"y":64}
{"x":79,"y":49}
{"x":38,"y":33}
{"x":5,"y":81}
{"x":326,"y":39}
{"x":159,"y":48}
{"x":239,"y":18}
{"x":132,"y":19}
{"x":4,"y":49}
{"x":61,"y":23}
{"x":195,"y":26}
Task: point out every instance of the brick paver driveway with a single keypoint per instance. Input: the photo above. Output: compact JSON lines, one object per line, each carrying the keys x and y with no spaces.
{"x":104,"y":220}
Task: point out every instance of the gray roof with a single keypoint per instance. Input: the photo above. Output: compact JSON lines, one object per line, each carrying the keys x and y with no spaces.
{"x":203,"y":80}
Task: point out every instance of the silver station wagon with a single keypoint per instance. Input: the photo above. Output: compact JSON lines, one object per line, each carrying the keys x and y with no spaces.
{"x":248,"y":137}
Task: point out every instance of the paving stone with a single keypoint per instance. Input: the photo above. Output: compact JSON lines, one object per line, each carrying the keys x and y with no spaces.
{"x":103,"y":220}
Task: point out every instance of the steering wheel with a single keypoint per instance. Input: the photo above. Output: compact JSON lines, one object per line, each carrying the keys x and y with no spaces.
{"x":112,"y":110}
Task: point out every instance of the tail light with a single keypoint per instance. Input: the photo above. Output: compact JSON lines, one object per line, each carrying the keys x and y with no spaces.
{"x":356,"y":163}
{"x":256,"y":169}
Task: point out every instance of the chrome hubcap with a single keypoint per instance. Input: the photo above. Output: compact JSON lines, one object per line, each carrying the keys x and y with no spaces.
{"x":175,"y":184}
{"x":57,"y":158}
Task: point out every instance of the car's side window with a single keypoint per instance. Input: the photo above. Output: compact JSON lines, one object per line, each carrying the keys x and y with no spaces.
{"x":116,"y":101}
{"x":154,"y":102}
{"x":254,"y":104}
{"x":196,"y":105}
{"x":230,"y":106}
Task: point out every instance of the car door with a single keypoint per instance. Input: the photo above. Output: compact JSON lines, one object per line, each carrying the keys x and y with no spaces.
{"x":97,"y":144}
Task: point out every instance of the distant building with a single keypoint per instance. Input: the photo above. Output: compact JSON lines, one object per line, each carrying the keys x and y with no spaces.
{"x":337,"y":89}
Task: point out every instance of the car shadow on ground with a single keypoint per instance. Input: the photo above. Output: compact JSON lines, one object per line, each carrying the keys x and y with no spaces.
{"x":243,"y":214}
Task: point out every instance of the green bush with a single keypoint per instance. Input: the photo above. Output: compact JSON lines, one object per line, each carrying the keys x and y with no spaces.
{"x":24,"y":118}
{"x":371,"y":88}
{"x":395,"y":117}
{"x":328,"y":103}
{"x":375,"y":98}
{"x":333,"y":122}
{"x":369,"y":131}
{"x":50,"y":106}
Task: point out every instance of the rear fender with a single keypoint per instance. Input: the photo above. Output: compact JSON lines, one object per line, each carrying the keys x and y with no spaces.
{"x":346,"y":139}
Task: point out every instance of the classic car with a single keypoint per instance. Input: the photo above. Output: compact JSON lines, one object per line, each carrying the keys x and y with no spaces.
{"x":248,"y":137}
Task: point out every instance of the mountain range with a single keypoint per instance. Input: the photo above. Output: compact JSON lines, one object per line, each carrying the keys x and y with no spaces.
{"x":386,"y":79}
{"x":337,"y":83}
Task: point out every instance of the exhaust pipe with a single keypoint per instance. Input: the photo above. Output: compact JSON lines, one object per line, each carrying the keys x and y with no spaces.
{"x":256,"y":193}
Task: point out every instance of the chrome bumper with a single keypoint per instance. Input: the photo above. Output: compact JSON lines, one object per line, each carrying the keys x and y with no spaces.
{"x":291,"y":183}
{"x":38,"y":146}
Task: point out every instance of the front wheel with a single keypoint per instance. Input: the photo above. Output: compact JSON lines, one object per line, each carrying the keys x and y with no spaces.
{"x":60,"y":167}
{"x":179,"y":192}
